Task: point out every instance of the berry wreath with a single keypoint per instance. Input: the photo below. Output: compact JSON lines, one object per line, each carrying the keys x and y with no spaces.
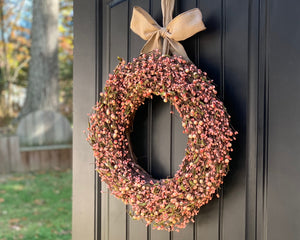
{"x":167,"y":204}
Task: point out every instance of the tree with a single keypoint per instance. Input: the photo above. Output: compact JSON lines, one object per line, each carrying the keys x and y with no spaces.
{"x":42,"y":90}
{"x":14,"y":49}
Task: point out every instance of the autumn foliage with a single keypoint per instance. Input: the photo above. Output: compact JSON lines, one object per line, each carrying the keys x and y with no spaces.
{"x":15,"y":44}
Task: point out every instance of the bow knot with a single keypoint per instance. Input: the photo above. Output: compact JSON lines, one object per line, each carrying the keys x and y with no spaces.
{"x":164,"y":32}
{"x":180,"y":28}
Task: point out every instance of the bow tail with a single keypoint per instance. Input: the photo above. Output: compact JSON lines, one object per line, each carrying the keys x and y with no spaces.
{"x":154,"y":42}
{"x":177,"y":49}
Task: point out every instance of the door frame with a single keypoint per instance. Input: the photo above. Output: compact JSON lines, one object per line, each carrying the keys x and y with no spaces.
{"x":87,"y":73}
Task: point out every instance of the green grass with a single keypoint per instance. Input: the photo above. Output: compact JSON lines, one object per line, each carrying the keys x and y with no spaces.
{"x":36,"y":206}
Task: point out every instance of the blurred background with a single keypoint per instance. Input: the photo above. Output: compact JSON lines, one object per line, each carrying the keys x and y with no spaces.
{"x":36,"y":74}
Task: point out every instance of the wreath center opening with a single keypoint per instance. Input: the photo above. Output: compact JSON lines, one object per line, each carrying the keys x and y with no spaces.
{"x":157,"y":138}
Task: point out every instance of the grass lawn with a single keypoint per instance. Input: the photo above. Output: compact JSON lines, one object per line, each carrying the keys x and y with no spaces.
{"x":36,"y":206}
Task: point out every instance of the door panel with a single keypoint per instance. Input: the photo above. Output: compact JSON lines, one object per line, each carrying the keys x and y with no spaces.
{"x":157,"y":135}
{"x":235,"y":71}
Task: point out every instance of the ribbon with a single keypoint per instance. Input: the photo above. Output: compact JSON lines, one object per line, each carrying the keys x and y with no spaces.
{"x":180,"y":28}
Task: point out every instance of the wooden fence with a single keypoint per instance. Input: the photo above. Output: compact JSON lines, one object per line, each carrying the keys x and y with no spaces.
{"x":27,"y":159}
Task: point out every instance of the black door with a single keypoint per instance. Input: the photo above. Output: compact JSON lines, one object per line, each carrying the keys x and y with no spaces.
{"x":251,"y":49}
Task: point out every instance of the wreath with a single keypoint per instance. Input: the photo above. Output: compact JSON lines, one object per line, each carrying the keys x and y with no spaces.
{"x":167,"y":204}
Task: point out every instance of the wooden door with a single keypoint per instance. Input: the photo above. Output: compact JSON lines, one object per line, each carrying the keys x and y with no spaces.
{"x":251,"y":50}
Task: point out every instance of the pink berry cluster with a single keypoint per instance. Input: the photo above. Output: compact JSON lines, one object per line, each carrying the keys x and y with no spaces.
{"x":167,"y":204}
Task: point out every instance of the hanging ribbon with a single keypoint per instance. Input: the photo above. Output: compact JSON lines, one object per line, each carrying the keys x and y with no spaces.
{"x":180,"y":28}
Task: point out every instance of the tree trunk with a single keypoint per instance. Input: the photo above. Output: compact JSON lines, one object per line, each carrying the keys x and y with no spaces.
{"x":42,"y":91}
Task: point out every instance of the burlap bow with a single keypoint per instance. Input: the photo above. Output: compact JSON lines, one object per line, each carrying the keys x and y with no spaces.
{"x":180,"y":28}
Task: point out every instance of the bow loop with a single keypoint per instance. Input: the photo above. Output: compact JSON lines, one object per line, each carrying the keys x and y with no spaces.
{"x":143,"y":24}
{"x":180,"y":28}
{"x":186,"y":25}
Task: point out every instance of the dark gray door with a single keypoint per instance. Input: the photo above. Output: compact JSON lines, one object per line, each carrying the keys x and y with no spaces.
{"x":251,"y":50}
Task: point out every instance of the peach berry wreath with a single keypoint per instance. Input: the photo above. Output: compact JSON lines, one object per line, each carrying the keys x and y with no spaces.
{"x":168,"y":204}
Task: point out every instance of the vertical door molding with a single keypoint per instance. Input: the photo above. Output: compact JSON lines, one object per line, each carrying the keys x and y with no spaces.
{"x":86,"y":86}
